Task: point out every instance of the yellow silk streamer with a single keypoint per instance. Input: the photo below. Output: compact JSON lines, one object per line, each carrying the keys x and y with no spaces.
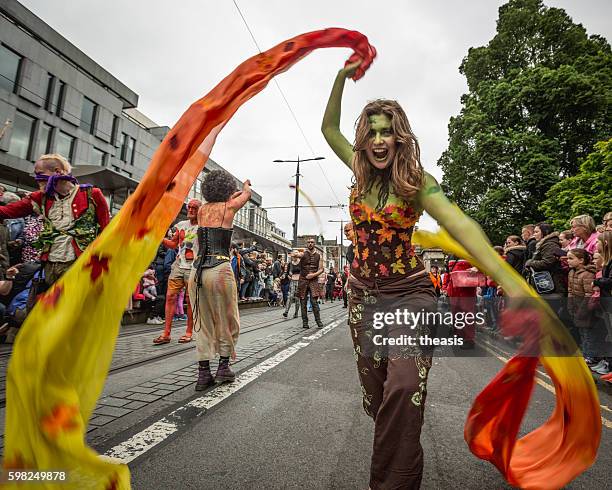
{"x":312,"y":206}
{"x":566,"y":444}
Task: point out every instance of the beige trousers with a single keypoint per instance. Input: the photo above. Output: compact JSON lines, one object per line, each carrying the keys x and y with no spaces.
{"x":215,"y":312}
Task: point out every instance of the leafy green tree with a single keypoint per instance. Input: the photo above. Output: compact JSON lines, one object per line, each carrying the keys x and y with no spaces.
{"x":588,"y":192}
{"x":538,"y":101}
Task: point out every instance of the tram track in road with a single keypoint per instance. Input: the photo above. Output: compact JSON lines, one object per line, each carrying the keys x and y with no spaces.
{"x":186,"y":347}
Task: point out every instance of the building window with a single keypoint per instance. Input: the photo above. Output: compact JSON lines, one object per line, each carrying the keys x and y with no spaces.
{"x":49,"y":91}
{"x":64,"y":145}
{"x":88,"y":114}
{"x":127,"y":149}
{"x":58,"y":99}
{"x":9,"y":68}
{"x":44,"y":138}
{"x":97,"y":157}
{"x":21,"y":137}
{"x":115,"y":130}
{"x":130,"y":151}
{"x":124,"y":146}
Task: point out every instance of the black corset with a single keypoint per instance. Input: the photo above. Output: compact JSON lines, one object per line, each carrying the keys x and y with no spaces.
{"x":213,"y":246}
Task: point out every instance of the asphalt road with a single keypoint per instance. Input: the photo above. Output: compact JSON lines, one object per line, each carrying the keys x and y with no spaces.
{"x":300,"y":425}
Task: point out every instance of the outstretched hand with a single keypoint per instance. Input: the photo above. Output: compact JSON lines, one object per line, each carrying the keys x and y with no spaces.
{"x":360,"y":61}
{"x":350,"y":69}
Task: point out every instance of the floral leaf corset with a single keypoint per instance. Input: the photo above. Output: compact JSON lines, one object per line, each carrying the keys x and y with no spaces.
{"x":383,"y":240}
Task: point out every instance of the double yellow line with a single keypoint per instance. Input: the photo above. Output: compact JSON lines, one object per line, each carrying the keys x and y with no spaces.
{"x":605,"y":422}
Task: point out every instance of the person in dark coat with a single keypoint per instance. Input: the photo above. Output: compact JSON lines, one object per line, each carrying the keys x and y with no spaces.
{"x":515,"y":252}
{"x":546,"y":257}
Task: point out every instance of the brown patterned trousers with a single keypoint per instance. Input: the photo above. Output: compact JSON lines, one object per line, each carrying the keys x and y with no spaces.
{"x":393,"y":382}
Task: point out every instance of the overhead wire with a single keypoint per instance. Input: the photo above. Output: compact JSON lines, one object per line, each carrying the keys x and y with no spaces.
{"x":297,"y":122}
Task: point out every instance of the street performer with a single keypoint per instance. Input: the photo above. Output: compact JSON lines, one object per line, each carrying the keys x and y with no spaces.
{"x":311,"y":267}
{"x":73,"y":215}
{"x":213,"y":291}
{"x":391,"y":192}
{"x":183,"y":241}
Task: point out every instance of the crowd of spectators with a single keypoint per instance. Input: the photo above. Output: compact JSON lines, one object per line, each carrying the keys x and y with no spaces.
{"x":571,"y":269}
{"x":259,"y":278}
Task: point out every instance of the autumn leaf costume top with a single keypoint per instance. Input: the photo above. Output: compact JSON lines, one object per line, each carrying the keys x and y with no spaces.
{"x":383,"y":239}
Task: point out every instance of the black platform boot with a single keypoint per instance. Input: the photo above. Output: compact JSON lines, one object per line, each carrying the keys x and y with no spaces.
{"x":224,"y":373}
{"x":205,"y":378}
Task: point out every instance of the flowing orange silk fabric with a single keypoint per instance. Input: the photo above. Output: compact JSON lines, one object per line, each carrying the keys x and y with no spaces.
{"x":63,"y":353}
{"x":566,"y":444}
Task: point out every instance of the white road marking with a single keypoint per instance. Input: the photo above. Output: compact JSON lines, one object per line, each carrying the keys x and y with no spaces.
{"x":607,"y":423}
{"x":143,"y":441}
{"x":319,"y":333}
{"x":159,"y":431}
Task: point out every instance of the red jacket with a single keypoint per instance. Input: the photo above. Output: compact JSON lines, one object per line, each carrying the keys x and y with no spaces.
{"x":25,"y":207}
{"x":454,"y":291}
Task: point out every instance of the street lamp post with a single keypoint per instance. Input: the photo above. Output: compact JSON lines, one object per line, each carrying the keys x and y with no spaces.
{"x":297,"y":192}
{"x":341,"y":221}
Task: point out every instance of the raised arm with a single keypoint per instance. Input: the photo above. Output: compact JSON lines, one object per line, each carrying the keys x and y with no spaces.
{"x":331,"y":119}
{"x":171,"y":242}
{"x":239,"y":199}
{"x":464,"y":230}
{"x":17,"y":209}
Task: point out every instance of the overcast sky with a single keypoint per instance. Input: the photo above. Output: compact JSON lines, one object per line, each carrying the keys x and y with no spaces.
{"x":172,"y":53}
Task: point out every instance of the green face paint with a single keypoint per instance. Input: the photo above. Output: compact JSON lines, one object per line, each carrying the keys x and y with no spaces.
{"x":381,"y":146}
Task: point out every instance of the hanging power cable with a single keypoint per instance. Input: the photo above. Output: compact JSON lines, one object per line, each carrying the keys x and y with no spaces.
{"x":297,"y":122}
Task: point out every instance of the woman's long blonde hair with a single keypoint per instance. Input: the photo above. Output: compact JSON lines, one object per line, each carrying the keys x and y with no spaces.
{"x":405,"y":175}
{"x":606,"y":246}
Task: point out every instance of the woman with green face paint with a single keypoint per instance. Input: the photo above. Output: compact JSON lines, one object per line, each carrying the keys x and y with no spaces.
{"x":391,"y":190}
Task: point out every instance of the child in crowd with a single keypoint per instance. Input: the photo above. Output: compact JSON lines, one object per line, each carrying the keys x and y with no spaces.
{"x":148,"y":285}
{"x":275,"y":292}
{"x":565,"y":238}
{"x":580,"y":290}
{"x":179,"y":311}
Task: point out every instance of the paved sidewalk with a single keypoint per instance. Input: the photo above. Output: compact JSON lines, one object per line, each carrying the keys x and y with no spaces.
{"x":178,"y":383}
{"x":135,"y":342}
